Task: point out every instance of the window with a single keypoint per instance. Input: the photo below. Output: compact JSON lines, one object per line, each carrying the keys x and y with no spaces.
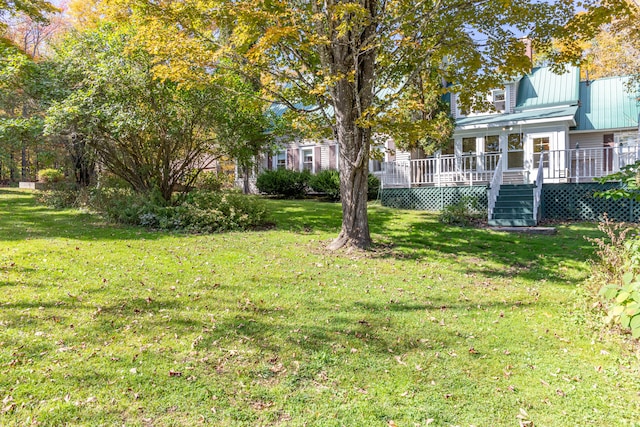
{"x":449,"y":149}
{"x":540,"y":145}
{"x":468,"y":145}
{"x":491,"y":144}
{"x":498,"y":100}
{"x":281,"y":160}
{"x":468,"y":153}
{"x":307,"y":159}
{"x":516,"y":151}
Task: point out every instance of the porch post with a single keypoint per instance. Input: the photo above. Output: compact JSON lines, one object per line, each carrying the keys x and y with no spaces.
{"x":438,"y":168}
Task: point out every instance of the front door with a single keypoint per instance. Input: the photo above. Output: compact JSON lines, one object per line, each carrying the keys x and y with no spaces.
{"x":515,"y":151}
{"x":541,"y":145}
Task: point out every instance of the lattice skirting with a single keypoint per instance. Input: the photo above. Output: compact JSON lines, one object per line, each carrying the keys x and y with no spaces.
{"x":559,"y":201}
{"x":576,"y":202}
{"x":431,"y":198}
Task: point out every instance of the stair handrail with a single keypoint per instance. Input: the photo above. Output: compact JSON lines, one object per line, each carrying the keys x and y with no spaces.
{"x":537,"y":191}
{"x":494,"y":187}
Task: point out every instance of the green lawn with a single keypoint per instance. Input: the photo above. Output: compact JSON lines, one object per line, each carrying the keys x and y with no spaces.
{"x":439,"y":326}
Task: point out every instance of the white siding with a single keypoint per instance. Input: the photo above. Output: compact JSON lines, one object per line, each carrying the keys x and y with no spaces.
{"x":402,"y":155}
{"x":587,"y":140}
{"x":324,"y":156}
{"x":513,"y":96}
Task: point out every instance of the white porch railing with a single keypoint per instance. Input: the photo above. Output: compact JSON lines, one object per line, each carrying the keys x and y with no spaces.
{"x":537,"y":192}
{"x":585,"y":164}
{"x":494,"y":188}
{"x":395,"y":174}
{"x":573,"y":165}
{"x":440,"y":170}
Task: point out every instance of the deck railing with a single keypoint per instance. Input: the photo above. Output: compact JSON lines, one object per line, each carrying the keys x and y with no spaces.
{"x":572,"y":165}
{"x":494,"y":188}
{"x":537,"y":192}
{"x":469,"y":169}
{"x":585,"y":164}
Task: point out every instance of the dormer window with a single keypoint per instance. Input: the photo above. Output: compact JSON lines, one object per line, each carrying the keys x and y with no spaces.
{"x":498,"y":100}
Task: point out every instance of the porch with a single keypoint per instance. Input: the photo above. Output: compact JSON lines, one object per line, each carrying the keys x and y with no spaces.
{"x":576,"y":165}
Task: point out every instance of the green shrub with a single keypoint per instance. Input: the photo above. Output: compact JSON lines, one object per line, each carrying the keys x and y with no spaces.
{"x":619,"y":267}
{"x":283,"y":182}
{"x":373,"y":187}
{"x":50,"y":176}
{"x":60,"y":196}
{"x":196,"y":212}
{"x":465,"y":212}
{"x":625,"y":307}
{"x":207,"y":212}
{"x":213,"y":181}
{"x":327,"y":182}
{"x":119,"y":205}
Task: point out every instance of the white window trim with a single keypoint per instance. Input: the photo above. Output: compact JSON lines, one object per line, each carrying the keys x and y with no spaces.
{"x":501,"y":103}
{"x":274,"y":160}
{"x":313,"y":158}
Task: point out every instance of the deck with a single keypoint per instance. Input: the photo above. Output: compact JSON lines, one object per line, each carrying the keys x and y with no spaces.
{"x":559,"y":166}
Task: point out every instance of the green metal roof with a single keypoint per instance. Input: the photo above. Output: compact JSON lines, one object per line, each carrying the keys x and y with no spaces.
{"x":543,"y":88}
{"x":514,"y":119}
{"x":607,"y":104}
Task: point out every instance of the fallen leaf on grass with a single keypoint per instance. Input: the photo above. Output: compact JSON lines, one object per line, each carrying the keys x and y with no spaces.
{"x":173,"y":373}
{"x":10,"y":407}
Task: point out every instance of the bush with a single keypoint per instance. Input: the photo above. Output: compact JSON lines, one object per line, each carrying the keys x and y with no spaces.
{"x":373,"y":187}
{"x":61,"y":195}
{"x":327,"y":182}
{"x":465,"y":212}
{"x":619,"y":267}
{"x":213,"y":181}
{"x":625,"y":307}
{"x":283,"y":182}
{"x":119,"y":205}
{"x":197,"y":212}
{"x":207,"y":212}
{"x":50,"y":176}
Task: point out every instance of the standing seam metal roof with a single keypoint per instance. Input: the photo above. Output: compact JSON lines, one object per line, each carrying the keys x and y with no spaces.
{"x":543,"y":88}
{"x":607,"y":104}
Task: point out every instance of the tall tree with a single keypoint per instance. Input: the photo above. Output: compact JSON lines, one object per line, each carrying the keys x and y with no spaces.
{"x":151,"y":132}
{"x":23,"y":85}
{"x":357,"y":64}
{"x":35,"y":9}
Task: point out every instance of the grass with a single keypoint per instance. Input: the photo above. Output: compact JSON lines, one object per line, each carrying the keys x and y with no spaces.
{"x":438,"y":326}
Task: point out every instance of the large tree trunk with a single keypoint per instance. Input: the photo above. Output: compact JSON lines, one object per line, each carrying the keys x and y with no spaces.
{"x":352,"y":56}
{"x":354,"y":171}
{"x":246,"y":187}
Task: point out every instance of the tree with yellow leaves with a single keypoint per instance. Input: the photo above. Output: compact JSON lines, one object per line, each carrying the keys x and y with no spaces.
{"x":359,"y":66}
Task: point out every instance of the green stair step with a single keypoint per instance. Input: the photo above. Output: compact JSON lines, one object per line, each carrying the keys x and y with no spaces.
{"x":512,"y":216}
{"x":512,"y":223}
{"x":513,"y":209}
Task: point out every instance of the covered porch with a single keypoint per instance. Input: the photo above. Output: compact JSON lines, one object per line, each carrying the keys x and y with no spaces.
{"x":575,"y":165}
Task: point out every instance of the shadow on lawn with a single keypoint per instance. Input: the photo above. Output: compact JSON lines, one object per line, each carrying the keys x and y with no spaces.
{"x":530,"y":256}
{"x":21,"y":218}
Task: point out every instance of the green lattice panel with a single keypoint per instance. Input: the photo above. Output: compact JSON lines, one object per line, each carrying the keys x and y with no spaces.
{"x":577,"y":202}
{"x":430,"y":198}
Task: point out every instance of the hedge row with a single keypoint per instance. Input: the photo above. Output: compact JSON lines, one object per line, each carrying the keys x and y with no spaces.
{"x":295,"y":184}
